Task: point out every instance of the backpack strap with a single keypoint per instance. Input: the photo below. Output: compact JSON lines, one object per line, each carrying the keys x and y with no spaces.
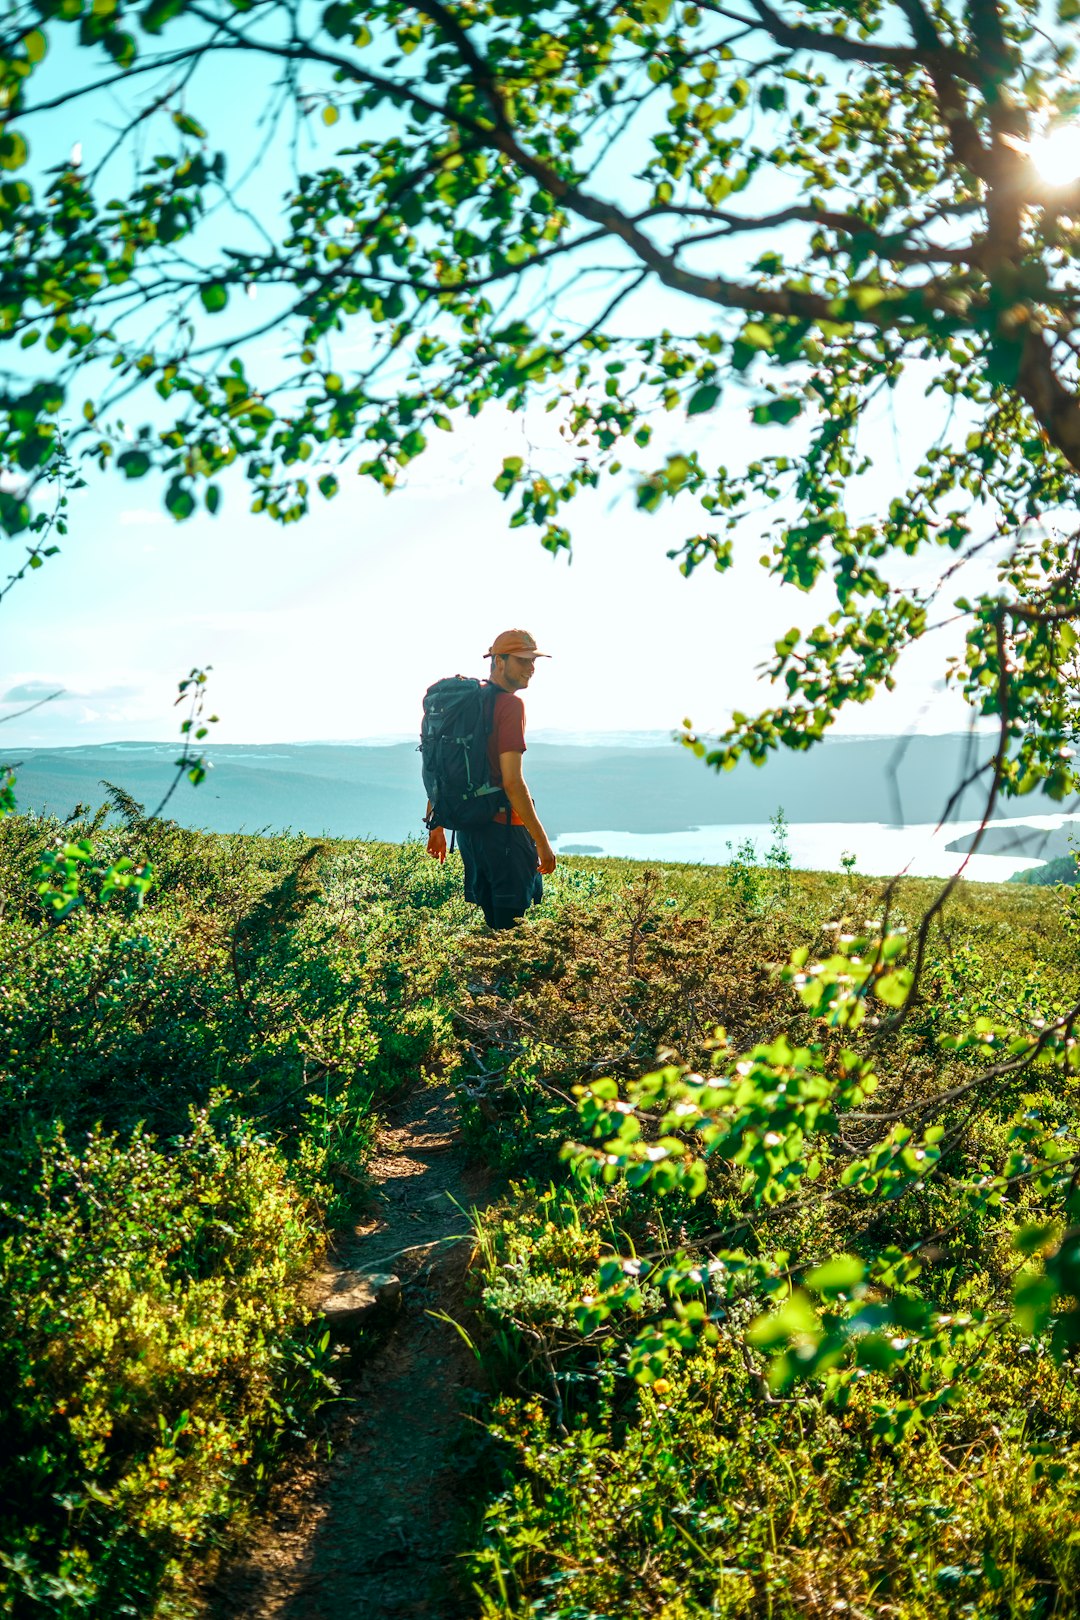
{"x":491,"y":696}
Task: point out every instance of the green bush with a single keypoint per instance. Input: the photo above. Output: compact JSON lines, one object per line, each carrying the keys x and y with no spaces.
{"x":151,"y":1331}
{"x":700,"y":1499}
{"x":189,"y":1075}
{"x":188,"y":1096}
{"x":897,"y":1435}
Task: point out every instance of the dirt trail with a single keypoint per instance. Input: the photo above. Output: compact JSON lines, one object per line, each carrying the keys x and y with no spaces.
{"x":373,"y":1535}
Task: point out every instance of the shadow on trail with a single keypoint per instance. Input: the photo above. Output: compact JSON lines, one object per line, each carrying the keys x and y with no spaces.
{"x":375,"y":1534}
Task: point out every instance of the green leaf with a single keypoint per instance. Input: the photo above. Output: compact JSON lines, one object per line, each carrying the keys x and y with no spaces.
{"x":120,"y":46}
{"x":840,"y":1275}
{"x":134,"y":463}
{"x":337,"y":20}
{"x":877,"y":1353}
{"x":893,"y":988}
{"x":1032,"y":1303}
{"x":782,"y":410}
{"x":154,"y":17}
{"x":13,"y":150}
{"x":756,"y":336}
{"x":188,"y":126}
{"x":1031,"y":1238}
{"x":703,"y":399}
{"x":179,"y":500}
{"x":795,"y":1318}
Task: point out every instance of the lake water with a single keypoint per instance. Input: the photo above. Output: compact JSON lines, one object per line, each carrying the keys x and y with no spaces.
{"x":880,"y":850}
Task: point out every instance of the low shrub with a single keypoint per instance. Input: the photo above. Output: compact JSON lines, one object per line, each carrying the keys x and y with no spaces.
{"x":152,"y":1337}
{"x":187,"y":1101}
{"x":701,"y":1498}
{"x":692,"y":1420}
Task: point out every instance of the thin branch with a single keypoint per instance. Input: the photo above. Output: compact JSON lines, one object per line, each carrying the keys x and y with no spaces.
{"x":30,"y":707}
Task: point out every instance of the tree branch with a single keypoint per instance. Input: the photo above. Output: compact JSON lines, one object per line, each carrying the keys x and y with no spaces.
{"x":1055,"y":407}
{"x":712,"y":289}
{"x":883,"y":246}
{"x":799,"y":37}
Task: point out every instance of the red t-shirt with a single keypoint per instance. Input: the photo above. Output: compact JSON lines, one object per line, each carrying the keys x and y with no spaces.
{"x":507,"y":736}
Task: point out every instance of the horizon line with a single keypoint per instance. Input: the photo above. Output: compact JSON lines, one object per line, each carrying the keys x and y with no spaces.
{"x":395,"y":739}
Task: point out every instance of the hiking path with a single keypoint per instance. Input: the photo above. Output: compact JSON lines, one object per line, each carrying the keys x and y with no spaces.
{"x":373,"y":1534}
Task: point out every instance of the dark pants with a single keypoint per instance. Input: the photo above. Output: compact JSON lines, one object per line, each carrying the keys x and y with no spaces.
{"x":501,"y":872}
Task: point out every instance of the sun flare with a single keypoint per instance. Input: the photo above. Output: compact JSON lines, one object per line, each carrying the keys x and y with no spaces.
{"x":1056,"y":155}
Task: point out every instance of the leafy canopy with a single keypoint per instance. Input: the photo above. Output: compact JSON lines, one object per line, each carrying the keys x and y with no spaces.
{"x":492,"y":200}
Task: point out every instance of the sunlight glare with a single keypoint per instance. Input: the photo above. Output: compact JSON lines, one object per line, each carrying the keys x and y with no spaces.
{"x":1056,"y":155}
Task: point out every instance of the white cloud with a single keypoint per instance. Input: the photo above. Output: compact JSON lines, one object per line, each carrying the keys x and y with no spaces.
{"x":33,"y":691}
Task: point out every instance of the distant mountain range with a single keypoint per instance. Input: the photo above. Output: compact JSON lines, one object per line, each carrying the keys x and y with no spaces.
{"x":1018,"y":838}
{"x":350,"y":790}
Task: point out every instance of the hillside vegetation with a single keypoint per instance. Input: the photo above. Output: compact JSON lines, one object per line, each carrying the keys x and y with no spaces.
{"x":695,"y":1408}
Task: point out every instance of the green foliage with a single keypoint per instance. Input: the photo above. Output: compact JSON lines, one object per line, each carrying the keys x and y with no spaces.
{"x":151,"y":1334}
{"x":826,"y":1282}
{"x":63,"y":873}
{"x":699,"y":1498}
{"x":758,"y":884}
{"x":1060,"y":870}
{"x":793,"y":1328}
{"x":189,"y":1074}
{"x":611,"y":974}
{"x":869,"y":172}
{"x":778,"y":855}
{"x":741,"y":874}
{"x":767,"y":1116}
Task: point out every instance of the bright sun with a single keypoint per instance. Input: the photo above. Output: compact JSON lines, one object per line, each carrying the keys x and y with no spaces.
{"x":1056,"y":155}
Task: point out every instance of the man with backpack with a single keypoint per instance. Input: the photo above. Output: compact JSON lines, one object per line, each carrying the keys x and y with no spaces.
{"x":472,"y":743}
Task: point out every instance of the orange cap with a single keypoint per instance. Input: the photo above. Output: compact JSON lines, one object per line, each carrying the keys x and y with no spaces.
{"x":514,"y":641}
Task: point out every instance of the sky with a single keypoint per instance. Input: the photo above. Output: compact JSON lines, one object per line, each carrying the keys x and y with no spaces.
{"x":333,"y":628}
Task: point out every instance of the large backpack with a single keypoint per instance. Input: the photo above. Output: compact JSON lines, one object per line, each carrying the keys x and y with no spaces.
{"x":458,"y":716}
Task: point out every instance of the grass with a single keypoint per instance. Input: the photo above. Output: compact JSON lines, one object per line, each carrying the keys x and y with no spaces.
{"x":711,"y":1491}
{"x":187,"y":1102}
{"x":188,"y":1098}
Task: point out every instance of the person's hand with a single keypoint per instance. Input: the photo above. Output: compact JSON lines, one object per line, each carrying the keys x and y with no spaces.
{"x":436,"y":845}
{"x":546,"y":857}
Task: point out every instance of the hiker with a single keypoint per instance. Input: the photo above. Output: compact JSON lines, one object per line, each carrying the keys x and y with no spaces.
{"x":505,"y":853}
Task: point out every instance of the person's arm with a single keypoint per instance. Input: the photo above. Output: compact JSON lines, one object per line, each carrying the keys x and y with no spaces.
{"x":521,"y":803}
{"x":436,"y":844}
